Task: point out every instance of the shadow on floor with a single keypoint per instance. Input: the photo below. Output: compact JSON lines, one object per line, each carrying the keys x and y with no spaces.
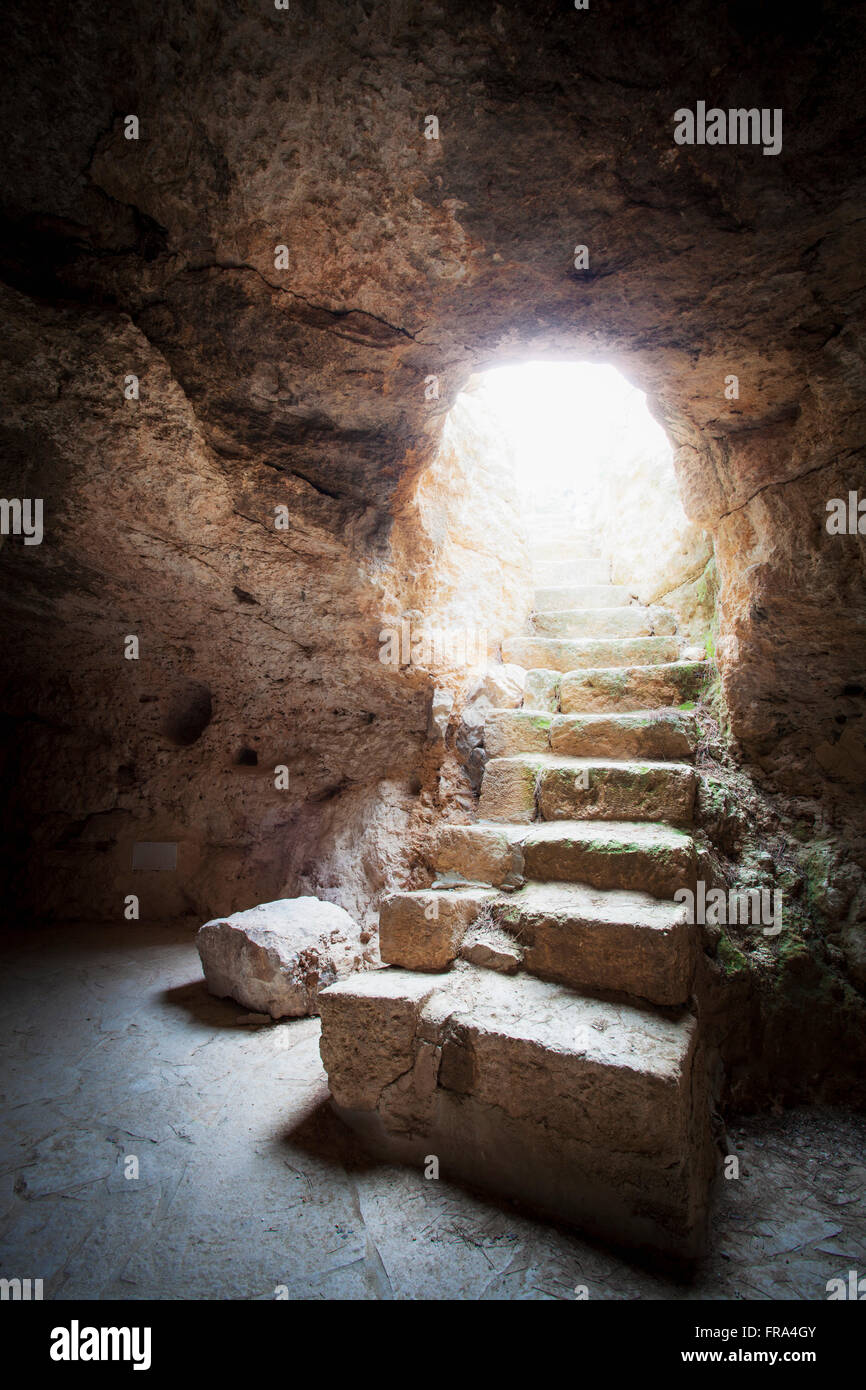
{"x":204,"y":1007}
{"x":322,"y":1135}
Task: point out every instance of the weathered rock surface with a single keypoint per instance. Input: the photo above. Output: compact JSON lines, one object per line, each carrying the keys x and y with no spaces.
{"x":325,"y":388}
{"x":596,"y":1112}
{"x":541,"y":691}
{"x":592,"y":1111}
{"x":424,"y":931}
{"x":411,"y":263}
{"x":502,"y":686}
{"x":581,"y":654}
{"x":662,"y":733}
{"x":275,"y":957}
{"x":657,"y":552}
{"x":631,"y":688}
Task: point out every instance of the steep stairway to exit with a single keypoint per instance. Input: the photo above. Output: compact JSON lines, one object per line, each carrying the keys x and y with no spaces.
{"x":534,"y":1030}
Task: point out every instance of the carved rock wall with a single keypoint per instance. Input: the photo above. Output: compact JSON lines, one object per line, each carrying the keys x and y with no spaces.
{"x":305,"y":387}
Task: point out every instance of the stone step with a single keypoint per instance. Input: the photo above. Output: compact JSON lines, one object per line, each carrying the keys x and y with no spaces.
{"x":634,"y":855}
{"x":633,"y":621}
{"x":490,"y":854}
{"x":548,"y":550}
{"x":508,"y":731}
{"x":546,"y":786}
{"x":424,"y":930}
{"x":665,"y":733}
{"x":558,"y":528}
{"x":556,"y":573}
{"x":619,"y":942}
{"x":638,"y":687}
{"x":655,"y":859}
{"x":578,"y":654}
{"x":593,"y":1111}
{"x":564,"y":596}
{"x":588,"y":939}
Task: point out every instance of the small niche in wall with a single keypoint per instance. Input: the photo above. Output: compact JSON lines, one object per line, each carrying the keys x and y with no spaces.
{"x":189,"y":713}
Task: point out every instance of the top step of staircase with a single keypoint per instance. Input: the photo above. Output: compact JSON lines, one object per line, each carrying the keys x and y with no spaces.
{"x":567,"y":548}
{"x":554,"y":573}
{"x":559,"y":597}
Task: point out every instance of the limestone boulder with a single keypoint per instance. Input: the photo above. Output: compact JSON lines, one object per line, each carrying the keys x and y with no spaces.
{"x":274,"y":958}
{"x":502,"y":685}
{"x":541,"y":691}
{"x":425,"y":930}
{"x":441,"y":705}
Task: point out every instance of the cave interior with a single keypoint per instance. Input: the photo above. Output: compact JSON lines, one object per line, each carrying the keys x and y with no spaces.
{"x":260,"y":265}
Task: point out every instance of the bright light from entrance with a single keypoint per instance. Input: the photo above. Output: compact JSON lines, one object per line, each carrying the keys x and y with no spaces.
{"x":582,"y":445}
{"x":573,"y":425}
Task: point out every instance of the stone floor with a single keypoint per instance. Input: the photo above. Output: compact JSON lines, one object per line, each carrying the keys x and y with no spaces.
{"x":248,"y":1185}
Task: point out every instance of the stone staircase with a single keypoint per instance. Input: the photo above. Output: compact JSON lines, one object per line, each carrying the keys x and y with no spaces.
{"x":534,"y":1031}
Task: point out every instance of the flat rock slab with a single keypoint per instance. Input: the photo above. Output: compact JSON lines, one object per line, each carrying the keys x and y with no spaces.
{"x":579,"y":654}
{"x":664,"y":733}
{"x":640,"y":687}
{"x":555,"y":599}
{"x":595,"y":1112}
{"x":632,"y":855}
{"x":587,"y":938}
{"x":274,"y":958}
{"x":638,"y":855}
{"x":631,"y":621}
{"x":582,"y":937}
{"x":509,"y":731}
{"x":546,"y":786}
